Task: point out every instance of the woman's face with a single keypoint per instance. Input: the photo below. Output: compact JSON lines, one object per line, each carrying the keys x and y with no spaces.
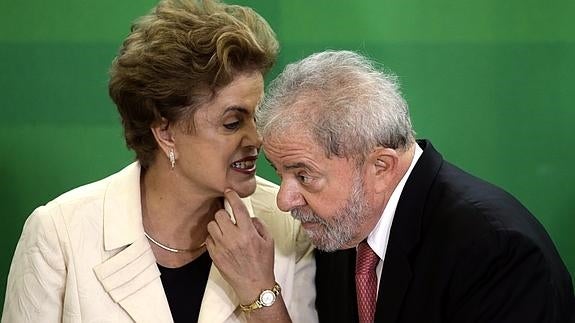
{"x":222,"y":150}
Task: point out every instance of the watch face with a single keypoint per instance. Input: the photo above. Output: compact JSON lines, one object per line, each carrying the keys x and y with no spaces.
{"x":267,"y":298}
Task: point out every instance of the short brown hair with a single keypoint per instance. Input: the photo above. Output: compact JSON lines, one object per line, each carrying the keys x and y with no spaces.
{"x":176,"y":54}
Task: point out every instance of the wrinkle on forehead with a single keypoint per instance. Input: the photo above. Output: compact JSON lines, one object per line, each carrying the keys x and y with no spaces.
{"x":292,"y":151}
{"x":289,"y":140}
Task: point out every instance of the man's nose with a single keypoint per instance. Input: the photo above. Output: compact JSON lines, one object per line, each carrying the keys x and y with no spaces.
{"x":289,"y":196}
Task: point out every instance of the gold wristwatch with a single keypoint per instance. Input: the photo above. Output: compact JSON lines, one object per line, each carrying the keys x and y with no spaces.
{"x":267,"y":298}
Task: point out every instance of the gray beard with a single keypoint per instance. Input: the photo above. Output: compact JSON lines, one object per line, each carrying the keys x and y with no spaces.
{"x":339,"y":230}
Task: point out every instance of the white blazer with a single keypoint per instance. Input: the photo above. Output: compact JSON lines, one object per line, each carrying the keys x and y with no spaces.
{"x":83,"y":257}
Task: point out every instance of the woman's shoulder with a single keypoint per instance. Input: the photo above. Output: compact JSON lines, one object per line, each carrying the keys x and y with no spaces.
{"x":62,"y":218}
{"x":264,"y":186}
{"x":125,"y":177}
{"x":281,"y":224}
{"x":264,"y":198}
{"x":85,"y":199}
{"x":286,"y":231}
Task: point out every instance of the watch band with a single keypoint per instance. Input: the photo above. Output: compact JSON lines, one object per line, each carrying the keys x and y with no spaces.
{"x":267,"y":298}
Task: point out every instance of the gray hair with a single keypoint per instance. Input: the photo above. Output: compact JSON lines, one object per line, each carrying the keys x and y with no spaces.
{"x":339,"y":97}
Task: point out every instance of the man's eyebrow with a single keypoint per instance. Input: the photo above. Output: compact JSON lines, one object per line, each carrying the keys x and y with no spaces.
{"x":237,"y":108}
{"x":296,"y":165}
{"x":287,"y":167}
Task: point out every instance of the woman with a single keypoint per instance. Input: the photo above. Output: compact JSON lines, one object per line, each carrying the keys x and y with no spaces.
{"x":139,"y":245}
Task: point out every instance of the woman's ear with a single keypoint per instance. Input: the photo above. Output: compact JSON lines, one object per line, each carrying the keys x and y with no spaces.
{"x":383,"y":163}
{"x":164,"y":135}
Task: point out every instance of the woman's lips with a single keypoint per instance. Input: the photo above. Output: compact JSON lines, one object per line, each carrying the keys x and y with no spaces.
{"x":245,"y":166}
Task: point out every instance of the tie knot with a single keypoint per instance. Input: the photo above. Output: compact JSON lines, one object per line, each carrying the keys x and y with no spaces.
{"x":366,"y":260}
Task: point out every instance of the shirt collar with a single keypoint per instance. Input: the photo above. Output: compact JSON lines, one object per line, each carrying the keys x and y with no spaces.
{"x":379,"y":236}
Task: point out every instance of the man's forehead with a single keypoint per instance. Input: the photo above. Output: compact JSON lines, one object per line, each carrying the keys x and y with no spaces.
{"x":291,"y":153}
{"x":287,"y":138}
{"x":307,"y":156}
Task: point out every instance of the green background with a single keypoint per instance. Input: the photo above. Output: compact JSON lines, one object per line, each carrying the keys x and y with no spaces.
{"x":490,"y":82}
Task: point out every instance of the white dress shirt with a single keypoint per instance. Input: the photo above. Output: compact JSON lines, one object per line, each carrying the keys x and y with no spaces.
{"x":379,"y":236}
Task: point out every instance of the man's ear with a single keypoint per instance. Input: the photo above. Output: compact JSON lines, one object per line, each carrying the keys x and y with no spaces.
{"x":164,"y":135}
{"x":383,"y":163}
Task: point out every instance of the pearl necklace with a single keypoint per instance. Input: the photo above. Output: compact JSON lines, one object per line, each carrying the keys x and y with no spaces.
{"x":174,"y":250}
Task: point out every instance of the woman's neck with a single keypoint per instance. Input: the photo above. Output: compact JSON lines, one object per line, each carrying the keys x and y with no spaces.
{"x":174,"y":214}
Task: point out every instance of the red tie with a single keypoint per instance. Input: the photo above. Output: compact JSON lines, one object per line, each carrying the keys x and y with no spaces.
{"x":366,"y":282}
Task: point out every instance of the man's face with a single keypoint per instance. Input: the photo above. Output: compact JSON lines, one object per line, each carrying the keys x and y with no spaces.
{"x":327,"y":195}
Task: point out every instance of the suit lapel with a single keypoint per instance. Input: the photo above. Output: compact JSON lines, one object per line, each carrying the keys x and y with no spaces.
{"x":394,"y":282}
{"x":405,"y":235}
{"x":335,"y":284}
{"x":130,"y":275}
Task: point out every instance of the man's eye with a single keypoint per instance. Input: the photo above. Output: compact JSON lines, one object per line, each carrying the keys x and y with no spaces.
{"x":232,"y":125}
{"x":304,"y":179}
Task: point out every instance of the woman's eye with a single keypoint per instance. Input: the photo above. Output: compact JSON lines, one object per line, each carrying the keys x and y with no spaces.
{"x":232,"y":125}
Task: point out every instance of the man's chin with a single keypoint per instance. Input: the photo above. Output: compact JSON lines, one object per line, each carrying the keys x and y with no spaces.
{"x":321,"y":243}
{"x":325,"y":247}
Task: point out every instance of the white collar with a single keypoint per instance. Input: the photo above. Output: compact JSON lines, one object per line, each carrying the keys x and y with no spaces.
{"x":379,"y":236}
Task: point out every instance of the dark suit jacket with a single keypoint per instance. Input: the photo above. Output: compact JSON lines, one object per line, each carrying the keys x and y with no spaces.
{"x":460,"y":250}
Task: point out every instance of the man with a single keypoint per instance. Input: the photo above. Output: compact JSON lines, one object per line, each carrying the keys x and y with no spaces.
{"x":447,"y":247}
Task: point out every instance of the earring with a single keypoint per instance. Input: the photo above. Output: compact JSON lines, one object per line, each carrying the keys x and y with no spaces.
{"x":172,"y":158}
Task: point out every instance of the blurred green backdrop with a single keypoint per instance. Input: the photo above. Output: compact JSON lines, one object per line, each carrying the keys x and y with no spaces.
{"x":490,"y":82}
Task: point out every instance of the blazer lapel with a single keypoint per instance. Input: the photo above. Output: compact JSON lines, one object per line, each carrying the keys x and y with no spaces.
{"x":220,"y":300}
{"x":130,"y":275}
{"x":132,"y":280}
{"x":405,"y":234}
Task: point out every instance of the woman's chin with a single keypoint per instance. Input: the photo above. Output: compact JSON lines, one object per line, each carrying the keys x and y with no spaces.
{"x":245,"y":188}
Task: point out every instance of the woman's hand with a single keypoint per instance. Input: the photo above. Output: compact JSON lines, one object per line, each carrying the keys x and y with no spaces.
{"x":243,"y":252}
